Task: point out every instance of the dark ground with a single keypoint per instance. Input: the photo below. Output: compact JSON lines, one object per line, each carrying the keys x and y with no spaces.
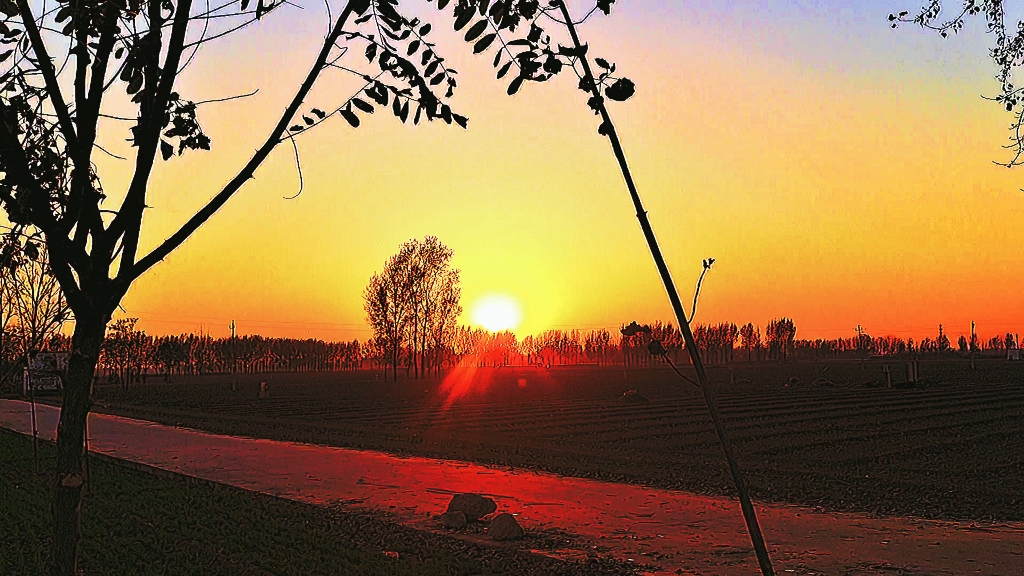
{"x":135,"y":523}
{"x":952,"y":447}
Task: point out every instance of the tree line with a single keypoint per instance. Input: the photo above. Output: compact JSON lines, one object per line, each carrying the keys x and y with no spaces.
{"x":129,"y":354}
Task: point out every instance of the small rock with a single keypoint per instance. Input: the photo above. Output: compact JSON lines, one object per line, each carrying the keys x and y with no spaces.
{"x":505,"y":527}
{"x":634,"y":396}
{"x":472,"y":505}
{"x":453,"y":520}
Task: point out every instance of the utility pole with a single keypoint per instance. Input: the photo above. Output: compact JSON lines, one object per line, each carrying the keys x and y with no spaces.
{"x":974,"y":344}
{"x":861,"y":349}
{"x":234,"y":358}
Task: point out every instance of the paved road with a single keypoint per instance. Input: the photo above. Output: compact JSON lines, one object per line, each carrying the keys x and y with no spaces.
{"x":664,"y":529}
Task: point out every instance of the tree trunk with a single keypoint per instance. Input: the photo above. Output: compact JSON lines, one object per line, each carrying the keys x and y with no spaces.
{"x":67,"y":503}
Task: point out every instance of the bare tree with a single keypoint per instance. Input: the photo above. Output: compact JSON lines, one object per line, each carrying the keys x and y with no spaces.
{"x":39,"y":306}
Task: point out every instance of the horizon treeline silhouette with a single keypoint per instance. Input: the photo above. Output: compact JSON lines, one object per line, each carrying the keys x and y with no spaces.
{"x":129,"y":354}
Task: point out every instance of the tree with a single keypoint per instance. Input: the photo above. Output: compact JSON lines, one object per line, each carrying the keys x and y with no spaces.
{"x":125,"y":351}
{"x":413,"y":303}
{"x":942,"y":341}
{"x":750,"y":338}
{"x":49,"y":127}
{"x":541,"y":59}
{"x":779,"y":336}
{"x":1007,"y":53}
{"x":35,"y":307}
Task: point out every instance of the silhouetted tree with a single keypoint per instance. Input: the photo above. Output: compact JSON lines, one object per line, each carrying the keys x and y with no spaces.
{"x":942,"y":341}
{"x":125,"y":351}
{"x":50,"y":128}
{"x":412,"y":305}
{"x":36,"y":307}
{"x":750,"y":338}
{"x":540,"y":59}
{"x":1007,"y":52}
{"x":779,"y":336}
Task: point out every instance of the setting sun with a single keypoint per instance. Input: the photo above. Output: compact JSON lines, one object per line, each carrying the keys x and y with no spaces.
{"x":497,"y":313}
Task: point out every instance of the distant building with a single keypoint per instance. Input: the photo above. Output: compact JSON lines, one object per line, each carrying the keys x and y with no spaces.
{"x":1013,"y":354}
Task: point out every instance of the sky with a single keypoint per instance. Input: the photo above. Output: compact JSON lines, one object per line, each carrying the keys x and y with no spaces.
{"x":840,"y":173}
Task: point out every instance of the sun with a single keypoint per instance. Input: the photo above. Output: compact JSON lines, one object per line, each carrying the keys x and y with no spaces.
{"x":497,"y":313}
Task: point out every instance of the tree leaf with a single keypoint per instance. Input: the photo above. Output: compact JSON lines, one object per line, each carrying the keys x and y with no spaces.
{"x":441,"y":4}
{"x":504,"y":69}
{"x":413,"y":47}
{"x":320,"y":113}
{"x":476,"y":30}
{"x":166,"y":150}
{"x":461,"y":120}
{"x":437,"y":79}
{"x":425,"y":29}
{"x":552,"y":65}
{"x":463,"y":18}
{"x":621,"y":90}
{"x":515,"y":85}
{"x":350,"y":117}
{"x":363,"y":105}
{"x":483,"y":43}
{"x":309,"y":121}
{"x":602,"y":63}
{"x":371,"y":52}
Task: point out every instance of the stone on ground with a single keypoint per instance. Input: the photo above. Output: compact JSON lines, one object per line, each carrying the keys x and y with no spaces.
{"x":474,"y":506}
{"x":453,"y":520}
{"x":505,"y":527}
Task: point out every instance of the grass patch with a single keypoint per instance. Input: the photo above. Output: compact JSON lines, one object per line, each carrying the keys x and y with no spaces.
{"x":136,"y":523}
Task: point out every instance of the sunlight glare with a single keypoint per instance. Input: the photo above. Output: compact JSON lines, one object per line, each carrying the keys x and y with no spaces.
{"x":497,"y":313}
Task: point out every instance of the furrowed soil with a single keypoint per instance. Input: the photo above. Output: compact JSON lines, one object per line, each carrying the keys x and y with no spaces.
{"x":820,"y":434}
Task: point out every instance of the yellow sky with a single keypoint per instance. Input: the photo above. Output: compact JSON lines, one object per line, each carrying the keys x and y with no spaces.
{"x":840,"y":186}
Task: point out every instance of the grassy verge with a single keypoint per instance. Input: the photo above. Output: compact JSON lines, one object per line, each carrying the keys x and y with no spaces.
{"x":136,"y":523}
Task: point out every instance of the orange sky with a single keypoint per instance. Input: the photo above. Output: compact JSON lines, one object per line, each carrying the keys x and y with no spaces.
{"x":839,"y":171}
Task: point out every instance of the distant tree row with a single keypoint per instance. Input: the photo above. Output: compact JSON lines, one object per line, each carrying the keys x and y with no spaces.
{"x":129,"y":354}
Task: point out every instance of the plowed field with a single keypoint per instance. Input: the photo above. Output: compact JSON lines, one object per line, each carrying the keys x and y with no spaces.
{"x":951,"y":447}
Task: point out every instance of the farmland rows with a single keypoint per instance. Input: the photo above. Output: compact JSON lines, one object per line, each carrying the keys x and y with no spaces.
{"x":948,"y":450}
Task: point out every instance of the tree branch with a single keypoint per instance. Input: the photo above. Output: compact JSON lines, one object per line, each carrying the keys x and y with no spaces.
{"x":159,"y":95}
{"x":49,"y":74}
{"x":257,"y":159}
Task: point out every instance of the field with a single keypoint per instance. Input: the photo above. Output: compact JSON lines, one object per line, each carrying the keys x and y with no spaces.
{"x":817,"y":434}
